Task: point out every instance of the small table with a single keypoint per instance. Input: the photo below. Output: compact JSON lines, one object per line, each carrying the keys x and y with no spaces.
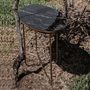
{"x":42,"y":19}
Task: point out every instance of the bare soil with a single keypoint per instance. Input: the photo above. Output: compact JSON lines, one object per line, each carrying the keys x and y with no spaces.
{"x":39,"y":81}
{"x":74,"y":62}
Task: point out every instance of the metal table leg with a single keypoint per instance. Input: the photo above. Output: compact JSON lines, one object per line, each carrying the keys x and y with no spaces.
{"x":50,"y":79}
{"x":57,"y":46}
{"x":24,"y":45}
{"x":50,"y":60}
{"x":39,"y":56}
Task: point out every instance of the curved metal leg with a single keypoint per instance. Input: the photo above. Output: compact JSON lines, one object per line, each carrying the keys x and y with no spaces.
{"x":57,"y":46}
{"x":50,"y":79}
{"x":50,"y":60}
{"x":39,"y":56}
{"x":24,"y":45}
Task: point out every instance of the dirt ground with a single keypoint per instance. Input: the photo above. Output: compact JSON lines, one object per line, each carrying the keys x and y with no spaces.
{"x":39,"y":81}
{"x":63,"y":74}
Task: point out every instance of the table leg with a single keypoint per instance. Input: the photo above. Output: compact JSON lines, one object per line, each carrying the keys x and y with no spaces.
{"x":24,"y":44}
{"x":39,"y":56}
{"x":50,"y":60}
{"x":57,"y":46}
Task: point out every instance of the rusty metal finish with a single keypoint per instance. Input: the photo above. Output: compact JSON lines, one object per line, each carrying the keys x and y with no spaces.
{"x":57,"y":53}
{"x":24,"y":45}
{"x":38,"y":16}
{"x":50,"y":60}
{"x":62,"y":29}
{"x":39,"y":56}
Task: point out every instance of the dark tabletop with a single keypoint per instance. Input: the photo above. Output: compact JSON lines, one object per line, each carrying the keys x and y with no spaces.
{"x":38,"y":16}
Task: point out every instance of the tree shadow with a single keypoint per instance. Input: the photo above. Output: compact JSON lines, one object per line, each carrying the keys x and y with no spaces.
{"x":72,"y":58}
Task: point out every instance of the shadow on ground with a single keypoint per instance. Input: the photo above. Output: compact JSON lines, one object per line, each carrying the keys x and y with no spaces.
{"x":72,"y":58}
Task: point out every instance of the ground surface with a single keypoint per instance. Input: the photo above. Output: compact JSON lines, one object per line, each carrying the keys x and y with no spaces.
{"x":75,"y":62}
{"x":33,"y":81}
{"x":63,"y":74}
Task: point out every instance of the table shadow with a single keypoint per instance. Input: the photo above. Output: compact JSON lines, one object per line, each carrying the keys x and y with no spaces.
{"x":72,"y":58}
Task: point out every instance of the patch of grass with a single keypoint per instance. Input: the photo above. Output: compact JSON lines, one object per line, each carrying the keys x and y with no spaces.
{"x":6,"y":15}
{"x":82,"y":83}
{"x":88,"y":51}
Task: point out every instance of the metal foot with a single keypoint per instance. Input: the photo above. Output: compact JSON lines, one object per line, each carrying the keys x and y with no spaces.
{"x":16,"y":66}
